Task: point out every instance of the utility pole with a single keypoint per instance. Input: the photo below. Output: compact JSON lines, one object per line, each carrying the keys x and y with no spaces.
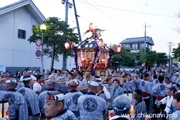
{"x":68,"y":5}
{"x":170,"y":44}
{"x":76,"y":16}
{"x":145,"y":43}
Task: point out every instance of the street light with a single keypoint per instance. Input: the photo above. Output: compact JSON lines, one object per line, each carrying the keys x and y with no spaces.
{"x":43,"y":28}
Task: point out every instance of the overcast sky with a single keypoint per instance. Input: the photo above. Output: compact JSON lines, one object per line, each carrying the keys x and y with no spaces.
{"x":120,"y":19}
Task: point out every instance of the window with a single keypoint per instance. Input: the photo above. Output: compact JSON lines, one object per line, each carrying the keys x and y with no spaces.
{"x":131,"y":46}
{"x":134,"y":46}
{"x":127,"y":46}
{"x":138,"y":46}
{"x":141,"y":45}
{"x":21,"y":34}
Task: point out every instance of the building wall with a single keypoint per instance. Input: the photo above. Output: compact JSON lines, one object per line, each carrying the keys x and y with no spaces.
{"x":135,"y":46}
{"x":17,"y":52}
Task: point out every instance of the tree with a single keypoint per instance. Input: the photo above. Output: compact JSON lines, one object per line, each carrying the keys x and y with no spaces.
{"x":57,"y":33}
{"x":149,"y":59}
{"x":176,"y":51}
{"x":161,"y":58}
{"x":124,"y":58}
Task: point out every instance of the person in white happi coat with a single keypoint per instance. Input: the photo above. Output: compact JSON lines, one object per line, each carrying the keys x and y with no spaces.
{"x":174,"y":80}
{"x":71,"y":98}
{"x":177,"y":78}
{"x":54,"y":108}
{"x":69,"y":77}
{"x":31,"y":98}
{"x":58,"y":87}
{"x":177,"y":86}
{"x":81,"y":80}
{"x":176,"y":104}
{"x":92,"y":107}
{"x":129,"y":84}
{"x":65,"y":77}
{"x":37,"y":86}
{"x":167,"y":80}
{"x":139,"y":106}
{"x":58,"y":75}
{"x":99,"y":80}
{"x":17,"y":105}
{"x":146,"y":95}
{"x":101,"y":92}
{"x":155,"y":80}
{"x":109,"y":86}
{"x":159,"y":90}
{"x":32,"y":76}
{"x":169,"y":109}
{"x":5,"y":76}
{"x":50,"y":87}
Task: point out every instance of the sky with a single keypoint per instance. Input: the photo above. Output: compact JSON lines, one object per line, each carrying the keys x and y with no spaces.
{"x":120,"y":19}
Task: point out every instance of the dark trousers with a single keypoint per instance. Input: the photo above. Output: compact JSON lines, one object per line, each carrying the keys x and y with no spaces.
{"x":157,"y":111}
{"x":154,"y":99}
{"x":147,"y":102}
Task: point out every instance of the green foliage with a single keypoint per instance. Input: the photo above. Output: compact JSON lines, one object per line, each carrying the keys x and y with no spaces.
{"x":56,"y":34}
{"x":125,"y":57}
{"x":176,"y":51}
{"x":150,"y":58}
{"x":161,"y":58}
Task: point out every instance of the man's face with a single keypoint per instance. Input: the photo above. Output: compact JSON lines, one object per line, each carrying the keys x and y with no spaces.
{"x":38,"y":73}
{"x":47,"y":86}
{"x":41,"y":79}
{"x":147,"y":77}
{"x":51,"y":108}
{"x":110,"y":81}
{"x":128,"y":77}
{"x":31,"y":83}
{"x":168,"y":91}
{"x":138,"y":75}
{"x":29,"y":73}
{"x":134,"y":95}
{"x":166,"y":80}
{"x":177,"y":75}
{"x":96,"y":90}
{"x":157,"y":73}
{"x":175,"y":103}
{"x":66,"y":72}
{"x":78,"y":76}
{"x":58,"y":72}
{"x":7,"y":77}
{"x":115,"y":83}
{"x":69,"y":77}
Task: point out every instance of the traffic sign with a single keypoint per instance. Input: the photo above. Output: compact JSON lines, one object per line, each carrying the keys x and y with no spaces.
{"x":38,"y":42}
{"x":38,"y":53}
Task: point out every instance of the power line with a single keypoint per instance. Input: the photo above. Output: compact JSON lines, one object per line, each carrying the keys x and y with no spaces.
{"x":115,"y":19}
{"x":103,"y":16}
{"x":130,"y":16}
{"x":159,"y":15}
{"x":116,"y":14}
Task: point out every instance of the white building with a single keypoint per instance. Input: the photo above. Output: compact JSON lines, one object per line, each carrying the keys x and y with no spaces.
{"x":16,"y":21}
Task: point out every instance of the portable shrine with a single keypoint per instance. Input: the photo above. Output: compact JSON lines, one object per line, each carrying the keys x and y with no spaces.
{"x":93,"y":55}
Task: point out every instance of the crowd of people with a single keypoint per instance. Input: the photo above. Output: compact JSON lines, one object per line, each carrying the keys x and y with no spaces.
{"x":36,"y":96}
